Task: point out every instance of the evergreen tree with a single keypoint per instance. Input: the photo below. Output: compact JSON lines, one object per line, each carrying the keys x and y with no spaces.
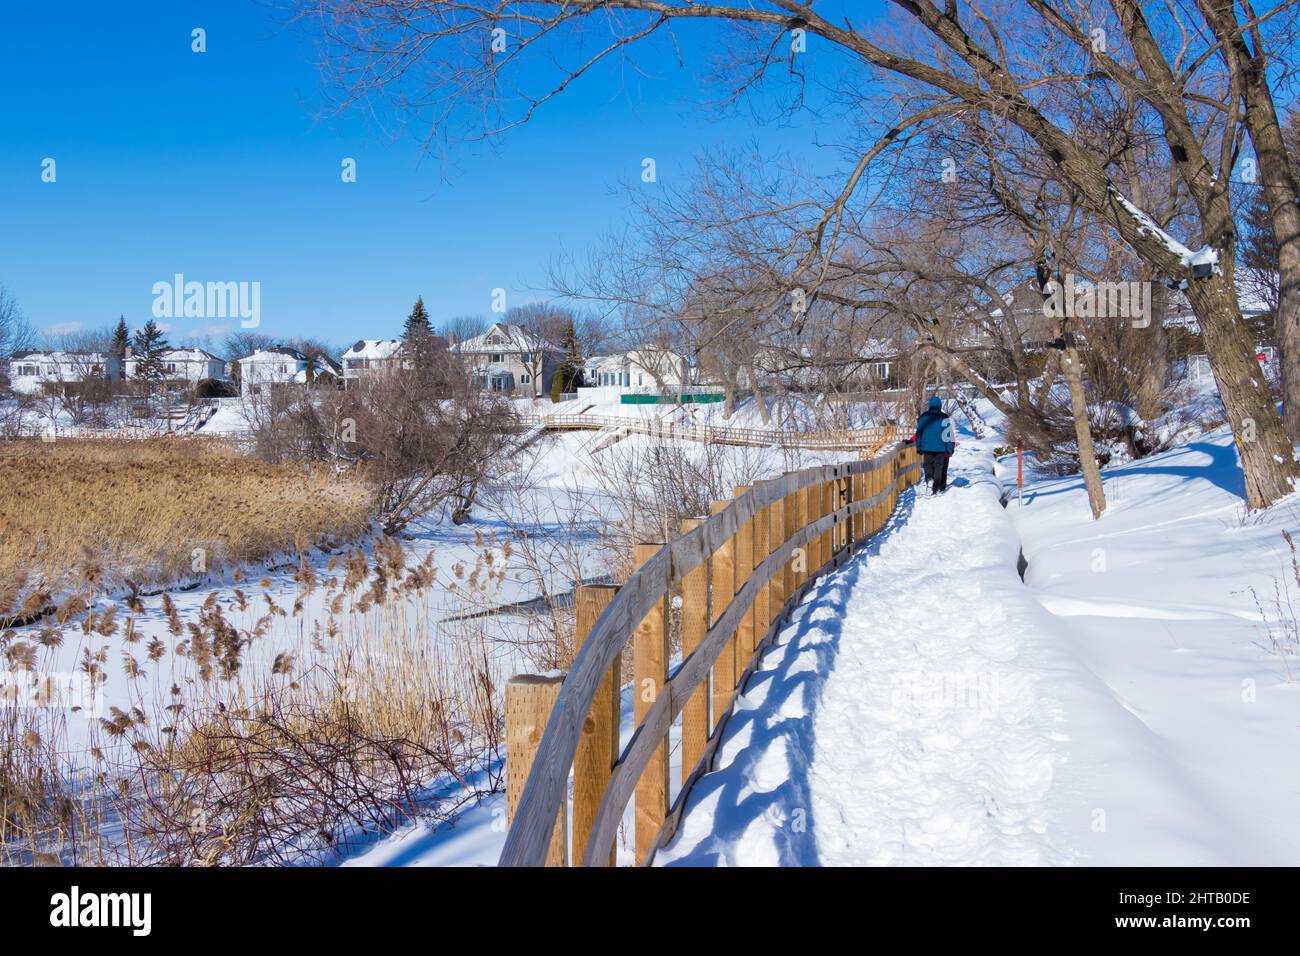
{"x":569,"y":375}
{"x":148,"y":346}
{"x":417,"y":323}
{"x":121,"y":340}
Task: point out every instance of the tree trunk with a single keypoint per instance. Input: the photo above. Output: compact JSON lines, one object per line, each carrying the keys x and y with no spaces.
{"x":1280,"y":188}
{"x":728,"y":399}
{"x":1267,"y":456}
{"x":1073,"y":372}
{"x":760,"y":399}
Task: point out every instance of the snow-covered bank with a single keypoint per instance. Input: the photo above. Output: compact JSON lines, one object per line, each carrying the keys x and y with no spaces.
{"x":1120,"y":707}
{"x":1153,"y":602}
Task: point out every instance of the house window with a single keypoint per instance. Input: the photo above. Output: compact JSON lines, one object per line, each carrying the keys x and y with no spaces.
{"x":27,"y":370}
{"x":525,"y":357}
{"x":524,"y":379}
{"x":881,"y":370}
{"x":171,"y":366}
{"x":496,"y":358}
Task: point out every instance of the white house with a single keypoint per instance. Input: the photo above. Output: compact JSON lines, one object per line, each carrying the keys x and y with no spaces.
{"x":648,"y":367}
{"x":509,"y":358}
{"x":369,"y":356}
{"x":31,"y":372}
{"x":280,"y":365}
{"x":646,"y":370}
{"x":183,"y":365}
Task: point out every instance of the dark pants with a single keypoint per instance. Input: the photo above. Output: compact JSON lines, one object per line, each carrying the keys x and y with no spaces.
{"x":936,"y":470}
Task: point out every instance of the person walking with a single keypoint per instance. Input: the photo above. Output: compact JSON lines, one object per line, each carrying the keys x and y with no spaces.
{"x":935,"y":443}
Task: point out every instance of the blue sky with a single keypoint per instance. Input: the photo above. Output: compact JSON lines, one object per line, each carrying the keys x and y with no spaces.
{"x":222,"y":166}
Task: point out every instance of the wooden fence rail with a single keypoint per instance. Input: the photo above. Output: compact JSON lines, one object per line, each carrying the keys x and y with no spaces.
{"x":739,"y":573}
{"x":847,"y":439}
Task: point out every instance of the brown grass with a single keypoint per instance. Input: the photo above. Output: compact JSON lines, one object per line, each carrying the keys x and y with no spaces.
{"x":299,"y":730}
{"x":94,"y":514}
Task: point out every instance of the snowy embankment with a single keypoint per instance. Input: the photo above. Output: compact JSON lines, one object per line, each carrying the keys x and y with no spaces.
{"x":1154,"y":603}
{"x":926,"y":707}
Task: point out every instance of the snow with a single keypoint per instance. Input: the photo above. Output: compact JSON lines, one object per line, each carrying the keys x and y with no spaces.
{"x":1120,"y":707}
{"x":1206,"y":255}
{"x":904,"y":716}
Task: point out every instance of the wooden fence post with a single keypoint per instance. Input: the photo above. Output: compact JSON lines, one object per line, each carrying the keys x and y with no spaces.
{"x":529,"y":699}
{"x":827,"y":536}
{"x":744,"y":557}
{"x":762,"y":535}
{"x":722,"y":577}
{"x":846,"y":499}
{"x":650,"y":673}
{"x":878,"y":512}
{"x":803,"y":504}
{"x":695,"y":624}
{"x":814,"y":544}
{"x":776,"y":592}
{"x":859,"y":519}
{"x":790,"y":508}
{"x":893,"y":495}
{"x":839,"y":497}
{"x":598,"y":744}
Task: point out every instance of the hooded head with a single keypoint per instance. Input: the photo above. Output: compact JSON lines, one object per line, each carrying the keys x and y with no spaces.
{"x":935,"y":403}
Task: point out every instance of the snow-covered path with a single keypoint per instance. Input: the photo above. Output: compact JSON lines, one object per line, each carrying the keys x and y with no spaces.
{"x":924,"y":706}
{"x":933,"y":693}
{"x":899,"y":719}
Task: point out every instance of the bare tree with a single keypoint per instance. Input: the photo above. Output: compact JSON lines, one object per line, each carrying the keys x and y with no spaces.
{"x":1018,"y":62}
{"x":15,"y":333}
{"x":427,"y":438}
{"x":462,"y":327}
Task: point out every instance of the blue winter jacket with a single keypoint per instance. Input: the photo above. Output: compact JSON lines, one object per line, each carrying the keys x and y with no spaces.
{"x":934,"y":430}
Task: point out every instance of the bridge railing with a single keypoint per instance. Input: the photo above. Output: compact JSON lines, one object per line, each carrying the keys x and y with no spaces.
{"x":846,"y":439}
{"x":738,"y":574}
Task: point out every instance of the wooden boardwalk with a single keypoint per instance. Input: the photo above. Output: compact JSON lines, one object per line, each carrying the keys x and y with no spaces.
{"x":871,"y":439}
{"x":735,"y":576}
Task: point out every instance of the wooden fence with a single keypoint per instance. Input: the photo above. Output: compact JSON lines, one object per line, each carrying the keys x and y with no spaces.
{"x":847,"y":439}
{"x":739,"y":573}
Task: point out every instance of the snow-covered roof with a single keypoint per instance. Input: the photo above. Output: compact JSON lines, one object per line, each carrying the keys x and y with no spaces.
{"x":274,"y":353}
{"x":32,"y":355}
{"x":505,"y":337}
{"x":373,"y":349}
{"x":192,"y":354}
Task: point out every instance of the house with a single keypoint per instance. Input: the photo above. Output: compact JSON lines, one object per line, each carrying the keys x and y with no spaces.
{"x":368,"y":356}
{"x":280,"y":365}
{"x":31,"y":372}
{"x":509,"y":358}
{"x":648,"y":367}
{"x":882,"y":359}
{"x":185,"y":366}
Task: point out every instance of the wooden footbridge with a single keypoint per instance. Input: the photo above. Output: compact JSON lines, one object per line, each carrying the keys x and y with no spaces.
{"x":845,"y":439}
{"x":739,"y":573}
